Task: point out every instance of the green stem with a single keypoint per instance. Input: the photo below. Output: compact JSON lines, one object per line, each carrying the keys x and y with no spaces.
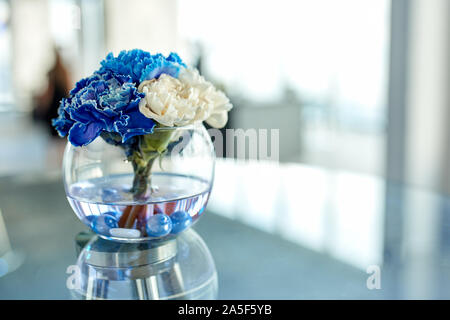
{"x":141,"y":178}
{"x":149,"y":148}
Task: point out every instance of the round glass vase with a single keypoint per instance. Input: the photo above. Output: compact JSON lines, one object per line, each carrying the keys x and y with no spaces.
{"x":100,"y":182}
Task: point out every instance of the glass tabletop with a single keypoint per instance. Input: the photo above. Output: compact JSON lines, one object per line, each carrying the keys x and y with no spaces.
{"x":286,"y":231}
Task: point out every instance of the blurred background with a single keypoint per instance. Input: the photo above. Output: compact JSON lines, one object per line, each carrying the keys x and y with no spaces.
{"x":358,"y":89}
{"x":321,"y":66}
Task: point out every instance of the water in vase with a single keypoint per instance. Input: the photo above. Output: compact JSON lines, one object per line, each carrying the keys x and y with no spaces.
{"x":173,"y":203}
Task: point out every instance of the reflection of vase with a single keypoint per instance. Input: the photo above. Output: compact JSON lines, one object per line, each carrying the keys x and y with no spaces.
{"x":129,"y":202}
{"x":180,"y":268}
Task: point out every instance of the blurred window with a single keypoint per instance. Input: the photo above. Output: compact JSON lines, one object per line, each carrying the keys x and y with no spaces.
{"x":329,"y":51}
{"x":333,"y":55}
{"x":65,"y":17}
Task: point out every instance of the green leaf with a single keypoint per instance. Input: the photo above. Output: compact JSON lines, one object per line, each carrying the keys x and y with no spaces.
{"x":156,"y":141}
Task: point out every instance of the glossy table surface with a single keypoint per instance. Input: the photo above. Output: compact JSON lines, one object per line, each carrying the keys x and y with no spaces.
{"x":306,"y":233}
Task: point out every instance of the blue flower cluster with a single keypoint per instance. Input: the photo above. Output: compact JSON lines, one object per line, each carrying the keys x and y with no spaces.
{"x":141,"y":65}
{"x":108,"y":100}
{"x":102,"y":102}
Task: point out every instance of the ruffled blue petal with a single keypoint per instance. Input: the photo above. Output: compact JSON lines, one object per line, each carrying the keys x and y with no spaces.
{"x":173,"y":57}
{"x":63,"y":122}
{"x":159,"y":66}
{"x":135,"y":124}
{"x":82,"y":134}
{"x":141,"y":65}
{"x":108,"y":102}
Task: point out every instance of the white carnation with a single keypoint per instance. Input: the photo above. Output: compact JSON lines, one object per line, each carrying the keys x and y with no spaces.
{"x":183,"y":101}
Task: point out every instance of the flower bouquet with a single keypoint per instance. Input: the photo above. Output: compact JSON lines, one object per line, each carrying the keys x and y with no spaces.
{"x":151,"y":108}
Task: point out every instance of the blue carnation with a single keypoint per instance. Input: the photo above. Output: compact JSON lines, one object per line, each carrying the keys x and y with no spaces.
{"x":141,"y":65}
{"x":103,"y":102}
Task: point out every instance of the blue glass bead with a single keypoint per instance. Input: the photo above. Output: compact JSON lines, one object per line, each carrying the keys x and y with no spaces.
{"x":90,"y":219}
{"x":111,"y":213}
{"x":159,"y":225}
{"x":180,"y":221}
{"x":102,"y":224}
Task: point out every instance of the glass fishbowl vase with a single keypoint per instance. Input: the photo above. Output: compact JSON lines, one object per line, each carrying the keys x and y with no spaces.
{"x":100,"y":183}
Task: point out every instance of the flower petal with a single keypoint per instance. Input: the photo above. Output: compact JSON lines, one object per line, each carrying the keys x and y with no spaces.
{"x":182,"y":101}
{"x":218,"y":120}
{"x":82,"y":134}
